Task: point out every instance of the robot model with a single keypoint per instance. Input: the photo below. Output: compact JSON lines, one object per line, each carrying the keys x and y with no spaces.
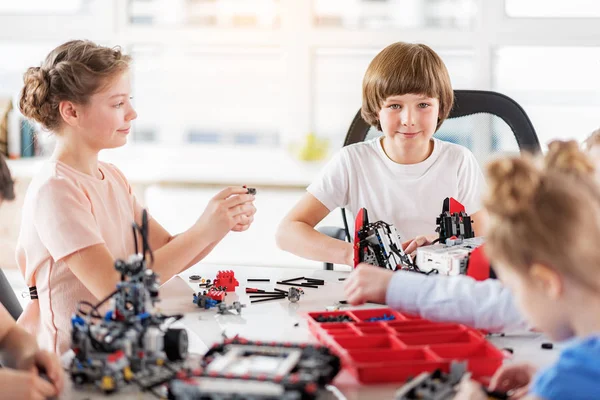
{"x":378,"y":243}
{"x":131,"y":342}
{"x":455,"y":251}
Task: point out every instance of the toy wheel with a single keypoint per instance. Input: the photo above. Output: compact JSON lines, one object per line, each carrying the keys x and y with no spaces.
{"x":176,"y":344}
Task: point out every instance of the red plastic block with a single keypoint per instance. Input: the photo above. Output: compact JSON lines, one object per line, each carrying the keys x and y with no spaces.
{"x":217,"y":295}
{"x":227,"y":280}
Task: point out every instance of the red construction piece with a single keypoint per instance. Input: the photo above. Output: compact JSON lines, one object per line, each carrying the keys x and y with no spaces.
{"x":226,"y":279}
{"x":217,"y":295}
{"x":478,"y":267}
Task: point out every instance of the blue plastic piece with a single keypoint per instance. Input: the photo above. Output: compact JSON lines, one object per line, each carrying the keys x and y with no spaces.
{"x":77,"y":320}
{"x":108,"y":316}
{"x":143,"y":316}
{"x":384,"y":317}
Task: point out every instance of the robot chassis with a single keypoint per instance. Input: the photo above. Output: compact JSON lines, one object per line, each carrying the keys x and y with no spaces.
{"x":379,"y":244}
{"x":131,"y":342}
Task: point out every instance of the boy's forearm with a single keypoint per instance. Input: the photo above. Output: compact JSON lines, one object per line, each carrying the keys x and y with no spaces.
{"x":18,"y":348}
{"x":302,"y":240}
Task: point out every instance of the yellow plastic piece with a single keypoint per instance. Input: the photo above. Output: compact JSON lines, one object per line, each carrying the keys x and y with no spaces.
{"x":108,"y":383}
{"x":160,"y":361}
{"x":311,"y":149}
{"x":127,"y":374}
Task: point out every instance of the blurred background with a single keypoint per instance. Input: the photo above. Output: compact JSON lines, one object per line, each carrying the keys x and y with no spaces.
{"x":261,"y":92}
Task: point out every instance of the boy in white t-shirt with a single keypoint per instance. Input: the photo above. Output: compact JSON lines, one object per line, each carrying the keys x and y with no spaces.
{"x":401,"y":178}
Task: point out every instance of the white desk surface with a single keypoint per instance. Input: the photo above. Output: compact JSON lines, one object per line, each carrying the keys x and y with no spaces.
{"x":275,"y":320}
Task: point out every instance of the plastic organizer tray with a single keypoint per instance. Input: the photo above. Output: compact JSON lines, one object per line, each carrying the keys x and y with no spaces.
{"x":394,"y":350}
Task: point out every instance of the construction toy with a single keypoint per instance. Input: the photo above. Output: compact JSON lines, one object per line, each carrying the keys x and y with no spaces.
{"x":131,"y":342}
{"x":238,"y":368}
{"x":438,"y":385}
{"x":226,"y":279}
{"x":222,"y":308}
{"x":456,"y":250}
{"x":203,"y":301}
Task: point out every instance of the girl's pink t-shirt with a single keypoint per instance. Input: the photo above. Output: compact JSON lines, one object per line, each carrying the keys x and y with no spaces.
{"x":65,"y":211}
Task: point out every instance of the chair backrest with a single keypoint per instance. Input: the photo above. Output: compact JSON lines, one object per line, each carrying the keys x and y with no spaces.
{"x":8,"y":298}
{"x":488,"y":123}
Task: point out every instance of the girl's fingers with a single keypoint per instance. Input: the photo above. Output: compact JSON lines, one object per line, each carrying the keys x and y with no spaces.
{"x":229,"y":191}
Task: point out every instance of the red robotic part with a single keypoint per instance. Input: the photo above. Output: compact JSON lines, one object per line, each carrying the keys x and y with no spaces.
{"x":478,"y":267}
{"x":217,"y":295}
{"x":226,"y":279}
{"x":361,"y":220}
{"x":452,"y":206}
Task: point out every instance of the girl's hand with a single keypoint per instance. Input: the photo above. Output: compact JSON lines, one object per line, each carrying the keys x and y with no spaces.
{"x":24,"y":385}
{"x":49,"y":363}
{"x":367,"y":283}
{"x":470,"y":390}
{"x":515,"y":378}
{"x":230,"y":208}
{"x":410,"y":246}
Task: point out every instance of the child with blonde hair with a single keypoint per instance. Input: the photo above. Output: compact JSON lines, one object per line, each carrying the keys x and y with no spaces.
{"x":544,"y":223}
{"x":78,"y":210}
{"x":401,"y":178}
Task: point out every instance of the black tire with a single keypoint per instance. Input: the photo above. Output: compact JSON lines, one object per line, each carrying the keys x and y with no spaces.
{"x":176,"y":344}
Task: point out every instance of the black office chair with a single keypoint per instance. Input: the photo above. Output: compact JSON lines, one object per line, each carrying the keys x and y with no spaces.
{"x":488,"y":123}
{"x":8,"y":298}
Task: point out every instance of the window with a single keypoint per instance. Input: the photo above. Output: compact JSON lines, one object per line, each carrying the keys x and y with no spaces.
{"x":205,"y":13}
{"x":385,"y":14}
{"x":559,"y":87}
{"x":223,"y":96}
{"x":552,"y":8}
{"x":42,"y":7}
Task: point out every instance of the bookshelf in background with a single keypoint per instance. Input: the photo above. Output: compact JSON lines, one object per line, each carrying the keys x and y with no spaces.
{"x":20,"y":137}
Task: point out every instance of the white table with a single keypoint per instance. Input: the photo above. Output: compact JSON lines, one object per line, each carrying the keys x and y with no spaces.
{"x":276,"y":320}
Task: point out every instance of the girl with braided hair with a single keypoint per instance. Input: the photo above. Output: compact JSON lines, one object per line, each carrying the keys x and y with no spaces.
{"x":544,"y":226}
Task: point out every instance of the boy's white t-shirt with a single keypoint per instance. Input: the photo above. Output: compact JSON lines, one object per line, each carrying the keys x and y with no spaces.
{"x":408,"y":196}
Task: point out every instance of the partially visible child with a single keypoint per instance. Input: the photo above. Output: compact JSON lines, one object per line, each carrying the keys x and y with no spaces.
{"x":401,"y":178}
{"x":7,"y":247}
{"x":544,"y":226}
{"x":22,"y":362}
{"x":7,"y":193}
{"x":485,"y":305}
{"x":78,"y":211}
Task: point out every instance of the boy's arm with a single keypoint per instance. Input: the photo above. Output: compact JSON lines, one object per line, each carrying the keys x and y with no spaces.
{"x":16,"y":345}
{"x":481,"y":304}
{"x":297,"y":234}
{"x":479,"y":222}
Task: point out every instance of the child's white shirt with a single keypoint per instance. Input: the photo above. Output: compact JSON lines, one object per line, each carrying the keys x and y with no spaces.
{"x":408,"y":196}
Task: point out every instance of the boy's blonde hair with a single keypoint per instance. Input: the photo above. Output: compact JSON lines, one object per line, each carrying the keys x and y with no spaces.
{"x":546,"y":214}
{"x":403,"y":68}
{"x":73,"y":71}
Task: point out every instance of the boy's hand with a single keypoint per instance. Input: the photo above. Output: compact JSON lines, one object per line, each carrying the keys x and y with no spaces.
{"x":367,"y":283}
{"x":470,"y":390}
{"x":230,"y":208}
{"x":24,"y":385}
{"x":410,"y":246}
{"x":515,"y":378}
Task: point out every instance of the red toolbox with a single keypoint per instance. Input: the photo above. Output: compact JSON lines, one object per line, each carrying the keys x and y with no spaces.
{"x":381,"y":345}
